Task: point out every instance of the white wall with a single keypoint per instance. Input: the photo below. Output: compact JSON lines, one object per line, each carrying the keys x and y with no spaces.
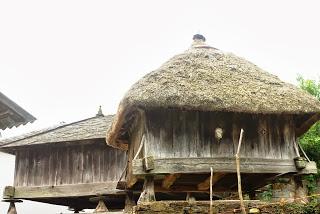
{"x":27,"y":207}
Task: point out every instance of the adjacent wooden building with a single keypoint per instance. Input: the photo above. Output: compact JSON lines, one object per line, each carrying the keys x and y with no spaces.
{"x":12,"y":114}
{"x":67,"y":165}
{"x":185,"y":117}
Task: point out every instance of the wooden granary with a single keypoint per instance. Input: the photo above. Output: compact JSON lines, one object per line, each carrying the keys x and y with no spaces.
{"x":184,"y":118}
{"x":67,"y":165}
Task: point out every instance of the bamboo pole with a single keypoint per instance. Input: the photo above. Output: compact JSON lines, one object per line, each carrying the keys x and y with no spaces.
{"x":238,"y":174}
{"x":211,"y":202}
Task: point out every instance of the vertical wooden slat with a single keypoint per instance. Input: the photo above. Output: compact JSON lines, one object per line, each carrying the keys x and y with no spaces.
{"x":277,"y":136}
{"x":25,"y":164}
{"x":288,"y":138}
{"x":86,"y":166}
{"x":201,"y":128}
{"x":263,"y":140}
{"x":41,"y":162}
{"x":31,"y":163}
{"x":102,"y":165}
{"x":270,"y":134}
{"x":58,"y":178}
{"x":192,"y":133}
{"x":50,"y":167}
{"x":112,"y":159}
{"x":225,"y":145}
{"x":64,"y":172}
{"x":106,"y":165}
{"x":235,"y":133}
{"x":95,"y":150}
{"x":17,"y":170}
{"x":70,"y":164}
{"x":165,"y":136}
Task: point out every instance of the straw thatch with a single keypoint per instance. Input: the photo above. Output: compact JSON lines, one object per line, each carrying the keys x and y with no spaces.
{"x":207,"y":79}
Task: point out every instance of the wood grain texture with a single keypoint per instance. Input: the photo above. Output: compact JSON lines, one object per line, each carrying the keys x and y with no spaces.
{"x":205,"y":185}
{"x":202,"y":165}
{"x":78,"y":164}
{"x":174,"y":133}
{"x":74,"y":190}
{"x":169,"y":180}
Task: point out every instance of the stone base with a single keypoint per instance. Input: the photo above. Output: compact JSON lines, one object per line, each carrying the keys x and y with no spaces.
{"x":221,"y":206}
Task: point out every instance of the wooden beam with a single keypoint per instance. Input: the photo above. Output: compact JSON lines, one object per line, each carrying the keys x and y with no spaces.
{"x":131,"y":181}
{"x":74,"y":190}
{"x":205,"y":185}
{"x":169,"y":180}
{"x":202,"y":165}
{"x":189,"y":188}
{"x":122,"y":144}
{"x":307,"y":124}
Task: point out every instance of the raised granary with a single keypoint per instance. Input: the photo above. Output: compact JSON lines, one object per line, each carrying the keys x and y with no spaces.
{"x":185,"y":117}
{"x":67,"y":165}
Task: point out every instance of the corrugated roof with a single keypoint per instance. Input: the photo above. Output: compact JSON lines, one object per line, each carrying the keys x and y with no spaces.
{"x":91,"y":128}
{"x":11,"y":114}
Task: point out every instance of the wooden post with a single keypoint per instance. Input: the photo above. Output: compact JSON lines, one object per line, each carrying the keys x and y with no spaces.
{"x":12,"y":208}
{"x":190,"y":198}
{"x":147,"y":194}
{"x":101,"y":208}
{"x":129,"y":203}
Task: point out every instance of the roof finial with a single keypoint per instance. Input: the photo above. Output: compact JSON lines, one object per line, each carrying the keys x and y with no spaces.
{"x":199,"y":41}
{"x":199,"y":37}
{"x":99,"y":114}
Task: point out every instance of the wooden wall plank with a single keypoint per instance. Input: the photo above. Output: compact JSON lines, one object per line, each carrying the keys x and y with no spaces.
{"x":192,"y":133}
{"x":176,"y":133}
{"x":62,"y":165}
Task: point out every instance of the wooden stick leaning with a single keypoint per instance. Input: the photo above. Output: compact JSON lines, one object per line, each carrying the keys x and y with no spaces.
{"x":211,"y":176}
{"x":303,"y":152}
{"x":238,"y":174}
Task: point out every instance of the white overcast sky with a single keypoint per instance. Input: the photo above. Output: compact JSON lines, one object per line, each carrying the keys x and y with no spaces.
{"x":60,"y":60}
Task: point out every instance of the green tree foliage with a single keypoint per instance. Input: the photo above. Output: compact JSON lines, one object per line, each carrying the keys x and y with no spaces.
{"x":310,"y":141}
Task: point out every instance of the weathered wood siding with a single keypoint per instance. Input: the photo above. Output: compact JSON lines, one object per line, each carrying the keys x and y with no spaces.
{"x":178,"y":134}
{"x":70,"y":164}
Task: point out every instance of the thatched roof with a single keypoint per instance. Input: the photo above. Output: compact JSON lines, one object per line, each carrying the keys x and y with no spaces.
{"x":11,"y":114}
{"x":207,"y":79}
{"x":91,"y":128}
